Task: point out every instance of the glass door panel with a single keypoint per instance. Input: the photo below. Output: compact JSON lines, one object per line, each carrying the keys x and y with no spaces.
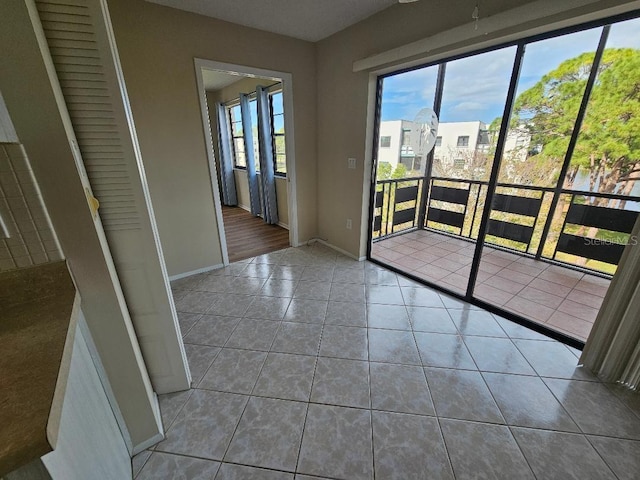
{"x":474,"y":93}
{"x":399,"y":169}
{"x":553,"y":78}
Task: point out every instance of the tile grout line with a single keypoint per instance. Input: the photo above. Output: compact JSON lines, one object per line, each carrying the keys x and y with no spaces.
{"x":512,"y":296}
{"x":424,"y":374}
{"x":313,"y":378}
{"x":604,"y":460}
{"x":373,"y":440}
{"x":371,"y":409}
{"x":250,"y":395}
{"x":515,"y":439}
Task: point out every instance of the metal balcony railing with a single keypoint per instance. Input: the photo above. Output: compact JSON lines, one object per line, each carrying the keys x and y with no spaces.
{"x":586,"y":230}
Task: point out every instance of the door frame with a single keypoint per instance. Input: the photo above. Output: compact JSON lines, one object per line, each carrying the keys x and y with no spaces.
{"x":287,"y":95}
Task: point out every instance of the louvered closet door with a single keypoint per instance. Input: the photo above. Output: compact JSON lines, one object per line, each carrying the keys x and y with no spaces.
{"x":79,"y":36}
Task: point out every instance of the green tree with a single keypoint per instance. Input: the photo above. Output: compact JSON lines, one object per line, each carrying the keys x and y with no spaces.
{"x":384,"y":171}
{"x":387,"y":172}
{"x":609,"y":145}
{"x":400,"y":171}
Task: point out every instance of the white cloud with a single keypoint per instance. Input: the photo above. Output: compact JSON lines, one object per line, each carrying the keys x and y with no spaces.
{"x":465,"y":106}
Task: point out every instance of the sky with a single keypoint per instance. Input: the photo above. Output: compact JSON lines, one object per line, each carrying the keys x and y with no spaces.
{"x":475,"y":87}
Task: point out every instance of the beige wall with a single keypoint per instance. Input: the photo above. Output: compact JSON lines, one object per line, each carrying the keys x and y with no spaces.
{"x":157,"y":46}
{"x":282,"y":197}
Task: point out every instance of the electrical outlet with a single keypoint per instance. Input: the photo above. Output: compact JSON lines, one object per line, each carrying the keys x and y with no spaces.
{"x":351,"y":163}
{"x":349,"y":224}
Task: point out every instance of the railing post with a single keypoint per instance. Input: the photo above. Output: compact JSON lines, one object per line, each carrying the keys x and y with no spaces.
{"x":426,"y":180}
{"x":475,"y":210}
{"x":390,"y":212}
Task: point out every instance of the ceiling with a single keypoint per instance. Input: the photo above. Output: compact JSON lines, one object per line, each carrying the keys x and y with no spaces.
{"x":310,"y":20}
{"x":215,"y":80}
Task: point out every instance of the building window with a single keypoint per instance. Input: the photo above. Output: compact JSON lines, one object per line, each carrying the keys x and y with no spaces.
{"x":438,"y":141}
{"x":406,"y":137}
{"x":237,"y":137}
{"x":385,"y":142}
{"x":463,"y":141}
{"x":277,"y":133}
{"x":458,"y":163}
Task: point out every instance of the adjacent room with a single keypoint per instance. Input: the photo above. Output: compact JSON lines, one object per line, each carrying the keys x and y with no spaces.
{"x":246,"y":123}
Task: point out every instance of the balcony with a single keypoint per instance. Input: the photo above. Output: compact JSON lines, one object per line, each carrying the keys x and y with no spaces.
{"x":548,"y":256}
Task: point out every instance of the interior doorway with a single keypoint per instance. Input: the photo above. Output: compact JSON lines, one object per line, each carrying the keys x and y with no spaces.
{"x":247,"y":116}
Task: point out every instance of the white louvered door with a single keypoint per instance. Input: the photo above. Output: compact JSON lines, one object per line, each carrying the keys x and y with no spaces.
{"x":83,"y":50}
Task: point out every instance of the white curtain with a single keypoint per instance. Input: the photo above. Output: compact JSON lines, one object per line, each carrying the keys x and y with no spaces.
{"x":612,"y":350}
{"x":252,"y":177}
{"x":267,"y":167}
{"x":228,"y":181}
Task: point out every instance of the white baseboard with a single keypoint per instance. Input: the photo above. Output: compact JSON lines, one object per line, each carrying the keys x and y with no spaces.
{"x":338,"y":249}
{"x":194,"y":272}
{"x":157,"y":438}
{"x":147,"y":443}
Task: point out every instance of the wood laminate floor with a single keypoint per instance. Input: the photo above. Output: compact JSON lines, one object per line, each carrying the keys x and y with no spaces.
{"x":248,"y":236}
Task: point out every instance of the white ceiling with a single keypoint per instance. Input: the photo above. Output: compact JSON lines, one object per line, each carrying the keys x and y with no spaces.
{"x":310,"y":20}
{"x":215,"y":80}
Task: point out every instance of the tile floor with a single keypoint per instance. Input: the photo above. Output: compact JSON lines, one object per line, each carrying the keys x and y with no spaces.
{"x":560,"y":298}
{"x":309,"y":365}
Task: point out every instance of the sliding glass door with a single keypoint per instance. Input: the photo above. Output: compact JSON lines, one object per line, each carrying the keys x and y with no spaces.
{"x":525,"y":194}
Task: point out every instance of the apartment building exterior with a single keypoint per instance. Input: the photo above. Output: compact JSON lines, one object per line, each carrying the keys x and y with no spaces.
{"x":457,"y":146}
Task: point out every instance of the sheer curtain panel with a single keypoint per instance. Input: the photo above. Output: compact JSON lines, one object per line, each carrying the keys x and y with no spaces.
{"x":228,"y":181}
{"x":252,"y":177}
{"x":267,"y":165}
{"x":612,"y":350}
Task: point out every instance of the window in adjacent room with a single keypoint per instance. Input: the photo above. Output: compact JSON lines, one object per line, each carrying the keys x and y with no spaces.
{"x":237,"y":134}
{"x":278,"y":136}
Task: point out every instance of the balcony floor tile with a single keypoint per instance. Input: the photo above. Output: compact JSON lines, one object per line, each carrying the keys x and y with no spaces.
{"x":558,"y":297}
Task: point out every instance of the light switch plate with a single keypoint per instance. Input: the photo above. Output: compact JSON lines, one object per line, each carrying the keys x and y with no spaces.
{"x":351,"y":163}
